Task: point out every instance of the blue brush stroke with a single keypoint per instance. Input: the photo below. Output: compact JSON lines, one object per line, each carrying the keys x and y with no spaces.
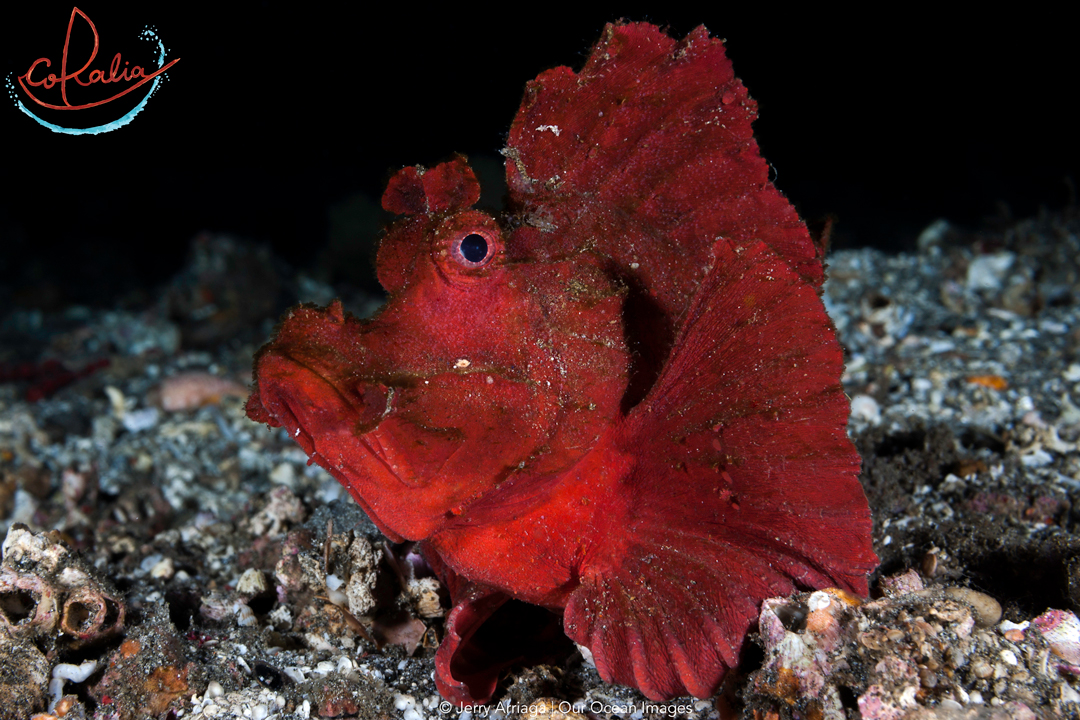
{"x":108,"y":126}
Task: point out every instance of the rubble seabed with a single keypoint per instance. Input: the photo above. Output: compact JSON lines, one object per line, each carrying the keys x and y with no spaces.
{"x":166,"y":557}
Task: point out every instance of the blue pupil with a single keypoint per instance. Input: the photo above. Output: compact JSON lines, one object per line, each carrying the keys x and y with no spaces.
{"x":474,"y":248}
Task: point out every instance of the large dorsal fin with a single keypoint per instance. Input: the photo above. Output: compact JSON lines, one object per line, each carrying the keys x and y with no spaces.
{"x":647,"y":156}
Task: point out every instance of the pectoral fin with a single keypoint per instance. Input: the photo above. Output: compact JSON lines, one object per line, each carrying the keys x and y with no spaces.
{"x":744,"y":485}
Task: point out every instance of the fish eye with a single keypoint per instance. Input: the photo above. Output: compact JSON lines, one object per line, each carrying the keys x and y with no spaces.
{"x":467,"y":244}
{"x":474,"y":248}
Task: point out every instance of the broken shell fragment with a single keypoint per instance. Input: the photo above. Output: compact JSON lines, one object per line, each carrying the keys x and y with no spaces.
{"x":902,"y":584}
{"x":798,"y":643}
{"x":252,"y":582}
{"x":425,"y":593}
{"x":1061,"y":629}
{"x":1013,"y":632}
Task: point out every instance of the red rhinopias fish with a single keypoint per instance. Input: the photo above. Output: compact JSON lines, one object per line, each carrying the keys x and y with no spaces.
{"x":620,"y":401}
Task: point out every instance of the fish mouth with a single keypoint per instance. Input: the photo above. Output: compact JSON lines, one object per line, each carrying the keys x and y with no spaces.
{"x":382,"y":439}
{"x":312,"y":379}
{"x":416,"y":438}
{"x":312,"y":407}
{"x":335,"y":417}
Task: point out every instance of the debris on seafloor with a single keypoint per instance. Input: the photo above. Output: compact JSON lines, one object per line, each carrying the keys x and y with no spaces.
{"x":51,"y":602}
{"x":51,"y":593}
{"x":191,"y":390}
{"x":976,"y":485}
{"x":54,"y":605}
{"x":916,"y":652}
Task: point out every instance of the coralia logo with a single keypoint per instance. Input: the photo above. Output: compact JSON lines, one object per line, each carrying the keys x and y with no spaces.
{"x":103,"y":86}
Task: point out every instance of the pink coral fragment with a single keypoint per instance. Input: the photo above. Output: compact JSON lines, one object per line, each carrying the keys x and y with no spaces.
{"x":191,"y":390}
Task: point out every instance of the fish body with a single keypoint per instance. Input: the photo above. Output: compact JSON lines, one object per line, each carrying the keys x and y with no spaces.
{"x":620,"y":401}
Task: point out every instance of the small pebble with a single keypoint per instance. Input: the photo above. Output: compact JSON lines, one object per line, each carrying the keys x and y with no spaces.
{"x":1072,"y":373}
{"x":986,"y":609}
{"x":866,"y":408}
{"x":142,"y":419}
{"x":163,"y":570}
{"x":818,"y":601}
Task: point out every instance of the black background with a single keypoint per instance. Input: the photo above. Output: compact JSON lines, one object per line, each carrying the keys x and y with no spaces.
{"x":272,"y":118}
